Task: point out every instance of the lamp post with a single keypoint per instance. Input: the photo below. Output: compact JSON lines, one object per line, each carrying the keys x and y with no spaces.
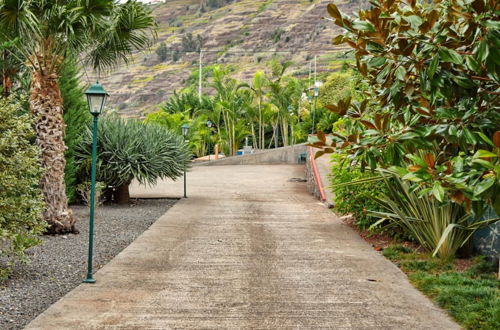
{"x":317,"y":85}
{"x":209,"y":125}
{"x":185,"y":132}
{"x":309,"y":100}
{"x":96,"y":99}
{"x":303,"y":99}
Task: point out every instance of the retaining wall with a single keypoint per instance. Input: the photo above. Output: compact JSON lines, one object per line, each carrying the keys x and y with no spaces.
{"x":283,"y":155}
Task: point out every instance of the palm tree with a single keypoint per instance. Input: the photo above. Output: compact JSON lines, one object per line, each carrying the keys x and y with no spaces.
{"x":258,"y":84}
{"x":281,"y":94}
{"x":103,"y":33}
{"x":229,"y":104}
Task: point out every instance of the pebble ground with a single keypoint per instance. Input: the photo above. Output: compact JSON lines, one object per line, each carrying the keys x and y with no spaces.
{"x":60,"y":263}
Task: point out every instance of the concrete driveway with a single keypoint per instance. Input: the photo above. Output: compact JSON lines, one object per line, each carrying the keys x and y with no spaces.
{"x":248,"y":249}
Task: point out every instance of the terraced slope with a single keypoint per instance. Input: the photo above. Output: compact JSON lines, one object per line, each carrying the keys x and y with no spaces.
{"x":245,"y":33}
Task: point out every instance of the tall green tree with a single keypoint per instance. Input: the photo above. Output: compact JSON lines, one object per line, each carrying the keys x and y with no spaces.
{"x":259,"y":82}
{"x":103,"y":33}
{"x":231,"y":104}
{"x":432,"y":106}
{"x":76,"y":116}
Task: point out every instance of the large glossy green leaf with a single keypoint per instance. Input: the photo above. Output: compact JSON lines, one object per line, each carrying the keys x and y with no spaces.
{"x":450,"y":55}
{"x":484,"y":185}
{"x":438,"y":191}
{"x":433,"y":67}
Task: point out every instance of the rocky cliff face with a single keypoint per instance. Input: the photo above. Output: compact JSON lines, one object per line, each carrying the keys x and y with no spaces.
{"x":244,"y":33}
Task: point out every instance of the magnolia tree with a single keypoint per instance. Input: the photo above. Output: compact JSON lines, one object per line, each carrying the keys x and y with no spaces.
{"x":431,"y":111}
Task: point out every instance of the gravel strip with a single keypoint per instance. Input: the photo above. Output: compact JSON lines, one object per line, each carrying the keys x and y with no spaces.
{"x":60,"y":263}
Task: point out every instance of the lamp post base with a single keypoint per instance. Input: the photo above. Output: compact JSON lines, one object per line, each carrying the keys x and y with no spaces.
{"x":89,"y":280}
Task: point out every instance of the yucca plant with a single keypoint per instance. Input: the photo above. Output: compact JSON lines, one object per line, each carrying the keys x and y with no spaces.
{"x":441,"y":228}
{"x":128,"y":150}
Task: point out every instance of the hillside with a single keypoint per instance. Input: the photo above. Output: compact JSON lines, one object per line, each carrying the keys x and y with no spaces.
{"x":244,"y":33}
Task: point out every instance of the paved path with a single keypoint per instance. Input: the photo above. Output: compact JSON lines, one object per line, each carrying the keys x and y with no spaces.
{"x":247,"y":250}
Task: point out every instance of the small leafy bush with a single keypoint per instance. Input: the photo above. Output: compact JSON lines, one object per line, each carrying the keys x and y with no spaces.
{"x":355,"y":199}
{"x":85,"y":192}
{"x":21,"y":200}
{"x":276,"y":36}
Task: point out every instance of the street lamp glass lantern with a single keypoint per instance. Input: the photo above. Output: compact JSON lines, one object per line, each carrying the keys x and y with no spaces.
{"x":316,"y":91}
{"x":96,"y":98}
{"x":303,"y":97}
{"x":209,"y":124}
{"x":185,"y":129}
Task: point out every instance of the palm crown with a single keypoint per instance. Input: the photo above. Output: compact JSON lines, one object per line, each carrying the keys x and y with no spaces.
{"x":103,"y":32}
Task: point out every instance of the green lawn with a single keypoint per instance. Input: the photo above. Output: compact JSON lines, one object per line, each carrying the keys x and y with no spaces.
{"x":472,"y":297}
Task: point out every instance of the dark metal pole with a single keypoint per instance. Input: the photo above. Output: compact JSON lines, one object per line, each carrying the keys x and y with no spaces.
{"x":185,"y":195}
{"x":314,"y":116}
{"x":89,"y":278}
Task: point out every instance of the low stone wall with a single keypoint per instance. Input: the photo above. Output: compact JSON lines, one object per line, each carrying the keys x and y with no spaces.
{"x":312,"y":186}
{"x":283,"y":155}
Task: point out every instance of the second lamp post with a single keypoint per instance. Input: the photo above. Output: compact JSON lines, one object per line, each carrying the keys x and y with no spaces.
{"x":96,"y":98}
{"x":185,"y":132}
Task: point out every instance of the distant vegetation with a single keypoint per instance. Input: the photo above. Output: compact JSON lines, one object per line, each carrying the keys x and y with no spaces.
{"x":274,"y":110}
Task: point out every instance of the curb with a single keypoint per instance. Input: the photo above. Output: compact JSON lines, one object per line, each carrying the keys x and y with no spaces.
{"x":317,"y":177}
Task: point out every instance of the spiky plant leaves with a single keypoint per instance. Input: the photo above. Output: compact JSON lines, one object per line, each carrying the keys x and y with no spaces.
{"x":129,"y":149}
{"x":441,"y":228}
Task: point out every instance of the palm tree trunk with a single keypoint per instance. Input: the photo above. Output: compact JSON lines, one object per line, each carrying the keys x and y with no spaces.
{"x":272,"y":138}
{"x":254,"y":137}
{"x":6,"y":75}
{"x":284,"y":131}
{"x":235,"y":145}
{"x":46,"y":104}
{"x":122,"y":194}
{"x":277,"y":135}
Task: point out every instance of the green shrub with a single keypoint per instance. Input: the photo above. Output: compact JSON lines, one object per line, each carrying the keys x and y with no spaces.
{"x":355,"y":199}
{"x":276,"y":36}
{"x":441,"y":228}
{"x":21,"y":201}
